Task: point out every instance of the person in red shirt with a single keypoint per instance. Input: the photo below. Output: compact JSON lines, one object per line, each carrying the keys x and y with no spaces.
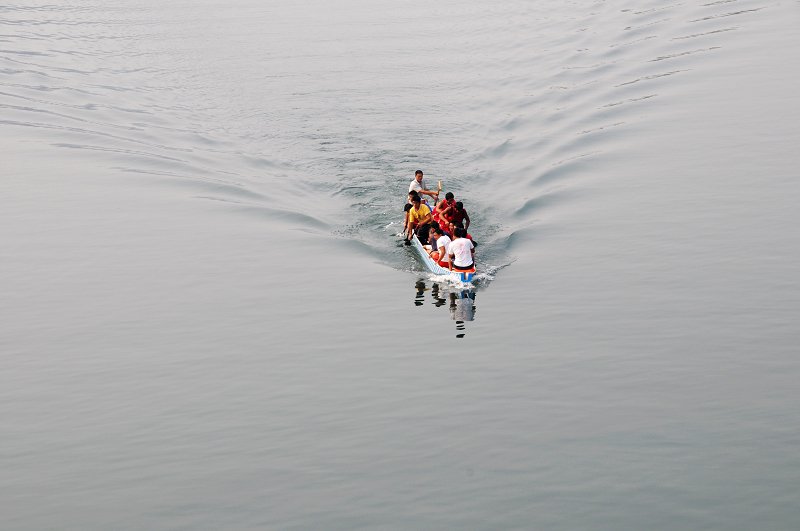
{"x":448,"y":201}
{"x":456,"y":214}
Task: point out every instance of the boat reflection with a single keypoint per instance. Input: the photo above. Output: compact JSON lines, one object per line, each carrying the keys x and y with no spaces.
{"x":461,"y":303}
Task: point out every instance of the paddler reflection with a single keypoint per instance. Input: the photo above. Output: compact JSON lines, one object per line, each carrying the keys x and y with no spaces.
{"x":461,"y":303}
{"x":420,"y":298}
{"x":462,"y":306}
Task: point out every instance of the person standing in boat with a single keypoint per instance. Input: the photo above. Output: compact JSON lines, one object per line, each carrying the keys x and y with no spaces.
{"x":419,"y":186}
{"x":462,"y":252}
{"x":419,"y":219}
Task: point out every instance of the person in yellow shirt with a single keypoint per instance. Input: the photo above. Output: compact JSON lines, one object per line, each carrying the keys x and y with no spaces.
{"x":419,"y":220}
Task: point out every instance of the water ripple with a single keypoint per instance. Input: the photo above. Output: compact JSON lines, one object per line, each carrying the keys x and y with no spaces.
{"x":519,"y":102}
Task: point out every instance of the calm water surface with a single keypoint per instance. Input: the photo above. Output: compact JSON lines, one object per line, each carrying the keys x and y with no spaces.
{"x":209,"y":322}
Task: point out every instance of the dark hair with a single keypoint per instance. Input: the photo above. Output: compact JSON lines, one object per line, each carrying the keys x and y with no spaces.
{"x":418,"y":172}
{"x":459,"y":205}
{"x":416,"y":199}
{"x":449,"y":195}
{"x":407,"y":207}
{"x":413,"y":195}
{"x":436,"y":229}
{"x":434,"y":225}
{"x":459,"y":232}
{"x":458,"y":224}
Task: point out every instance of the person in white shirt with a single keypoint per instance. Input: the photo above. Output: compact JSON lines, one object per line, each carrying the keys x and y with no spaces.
{"x":462,"y":251}
{"x":418,"y":185}
{"x":442,"y":255}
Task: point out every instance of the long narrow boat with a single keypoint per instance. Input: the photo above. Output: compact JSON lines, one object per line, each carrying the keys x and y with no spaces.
{"x":433,"y":267}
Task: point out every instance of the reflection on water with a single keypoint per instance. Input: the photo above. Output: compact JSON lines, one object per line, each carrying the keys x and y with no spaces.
{"x":461,"y":303}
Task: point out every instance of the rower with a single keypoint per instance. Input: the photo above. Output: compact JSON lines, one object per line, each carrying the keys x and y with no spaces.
{"x":449,"y":200}
{"x":411,"y":195}
{"x":459,"y":225}
{"x":462,"y":252}
{"x":419,"y":218}
{"x":456,"y":213}
{"x":432,"y":238}
{"x":442,"y":253}
{"x":405,"y":218}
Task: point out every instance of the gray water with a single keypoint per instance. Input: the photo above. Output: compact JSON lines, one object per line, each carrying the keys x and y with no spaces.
{"x":209,"y":322}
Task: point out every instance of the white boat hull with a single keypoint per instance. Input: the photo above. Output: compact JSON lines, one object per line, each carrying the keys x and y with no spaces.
{"x":433,"y":267}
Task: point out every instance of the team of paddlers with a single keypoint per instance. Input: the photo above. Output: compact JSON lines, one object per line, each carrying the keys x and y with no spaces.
{"x":442,"y":229}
